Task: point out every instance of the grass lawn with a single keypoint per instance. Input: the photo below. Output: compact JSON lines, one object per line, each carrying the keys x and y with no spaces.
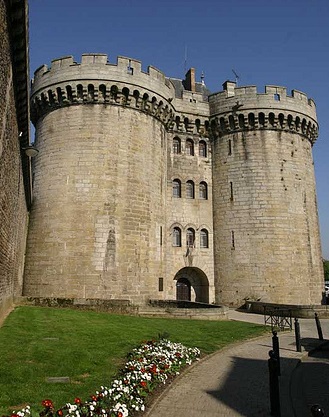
{"x":37,"y":343}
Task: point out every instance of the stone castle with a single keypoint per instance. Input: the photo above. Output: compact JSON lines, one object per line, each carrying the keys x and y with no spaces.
{"x":149,"y":187}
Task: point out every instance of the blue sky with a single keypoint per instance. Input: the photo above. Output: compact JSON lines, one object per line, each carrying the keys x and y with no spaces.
{"x":266,"y":42}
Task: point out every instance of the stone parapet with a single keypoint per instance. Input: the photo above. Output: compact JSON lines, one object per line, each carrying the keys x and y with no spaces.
{"x":294,"y":310}
{"x":110,"y":306}
{"x":95,"y":81}
{"x":243,"y":108}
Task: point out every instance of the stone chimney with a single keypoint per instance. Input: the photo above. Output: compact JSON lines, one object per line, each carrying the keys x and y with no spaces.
{"x":189,"y":82}
{"x":229,"y":86}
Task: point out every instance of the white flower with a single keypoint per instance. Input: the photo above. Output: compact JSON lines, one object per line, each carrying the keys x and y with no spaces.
{"x":151,"y":362}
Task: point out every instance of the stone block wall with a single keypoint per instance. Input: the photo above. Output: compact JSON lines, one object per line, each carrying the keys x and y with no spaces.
{"x":13,"y":210}
{"x":99,"y":204}
{"x":192,"y":212}
{"x":267,"y":244}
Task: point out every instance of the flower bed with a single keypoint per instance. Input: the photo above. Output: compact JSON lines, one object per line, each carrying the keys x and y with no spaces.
{"x":147,"y":367}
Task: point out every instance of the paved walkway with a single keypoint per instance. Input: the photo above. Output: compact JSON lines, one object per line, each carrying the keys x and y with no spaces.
{"x":235,"y":381}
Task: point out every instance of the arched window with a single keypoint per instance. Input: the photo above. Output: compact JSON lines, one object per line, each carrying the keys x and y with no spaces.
{"x":102,"y":90}
{"x":176,"y":147}
{"x":222,"y":124}
{"x":297,"y":123}
{"x":186,"y":123}
{"x":190,"y":189}
{"x":202,"y":149}
{"x":176,"y":188}
{"x":91,"y":92}
{"x":189,"y":148}
{"x":281,"y":120}
{"x":241,"y":121}
{"x":51,"y":97}
{"x":251,"y":119}
{"x":231,"y":122}
{"x":125,"y":92}
{"x":177,"y":122}
{"x":69,"y":93}
{"x":261,"y":119}
{"x":114,"y":92}
{"x":190,"y":238}
{"x":203,"y":191}
{"x":177,"y":237}
{"x":59,"y":95}
{"x":204,"y":241}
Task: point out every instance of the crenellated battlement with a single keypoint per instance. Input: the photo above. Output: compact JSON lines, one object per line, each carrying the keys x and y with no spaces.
{"x":96,"y":81}
{"x":175,"y":188}
{"x":243,"y":108}
{"x":91,"y":92}
{"x":273,"y":97}
{"x":97,"y":66}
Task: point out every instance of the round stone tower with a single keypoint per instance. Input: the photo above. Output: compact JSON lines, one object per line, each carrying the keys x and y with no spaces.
{"x":266,"y":234}
{"x":101,"y":133}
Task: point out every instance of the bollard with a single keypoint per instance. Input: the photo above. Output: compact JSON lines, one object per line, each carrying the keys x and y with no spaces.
{"x":297,"y":336}
{"x":318,"y":326}
{"x":317,"y":411}
{"x":274,"y":384}
{"x":276,"y":349}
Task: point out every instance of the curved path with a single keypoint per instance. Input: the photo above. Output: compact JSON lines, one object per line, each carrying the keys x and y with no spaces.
{"x":235,"y":381}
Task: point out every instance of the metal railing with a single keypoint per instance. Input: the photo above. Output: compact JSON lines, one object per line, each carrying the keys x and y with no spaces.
{"x":278,"y":318}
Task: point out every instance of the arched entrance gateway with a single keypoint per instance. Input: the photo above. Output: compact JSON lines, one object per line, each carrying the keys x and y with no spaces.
{"x":192,"y":285}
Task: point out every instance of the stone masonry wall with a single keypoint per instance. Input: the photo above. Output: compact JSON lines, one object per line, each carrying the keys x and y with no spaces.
{"x":267,"y":244}
{"x":267,"y":247}
{"x":185,"y":212}
{"x":13,"y":212}
{"x":99,"y":204}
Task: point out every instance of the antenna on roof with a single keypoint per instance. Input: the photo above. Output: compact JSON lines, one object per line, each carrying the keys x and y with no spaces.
{"x":236,"y":77}
{"x":185,"y":60}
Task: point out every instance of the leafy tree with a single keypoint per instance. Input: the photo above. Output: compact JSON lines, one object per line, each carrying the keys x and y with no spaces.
{"x":326,"y":269}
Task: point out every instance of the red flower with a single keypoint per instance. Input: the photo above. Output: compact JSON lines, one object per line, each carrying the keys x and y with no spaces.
{"x":120,"y":414}
{"x":143,"y":384}
{"x":60,"y":412}
{"x":77,"y":401}
{"x":47,"y":404}
{"x":153,"y":369}
{"x":14,"y":415}
{"x":94,"y":398}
